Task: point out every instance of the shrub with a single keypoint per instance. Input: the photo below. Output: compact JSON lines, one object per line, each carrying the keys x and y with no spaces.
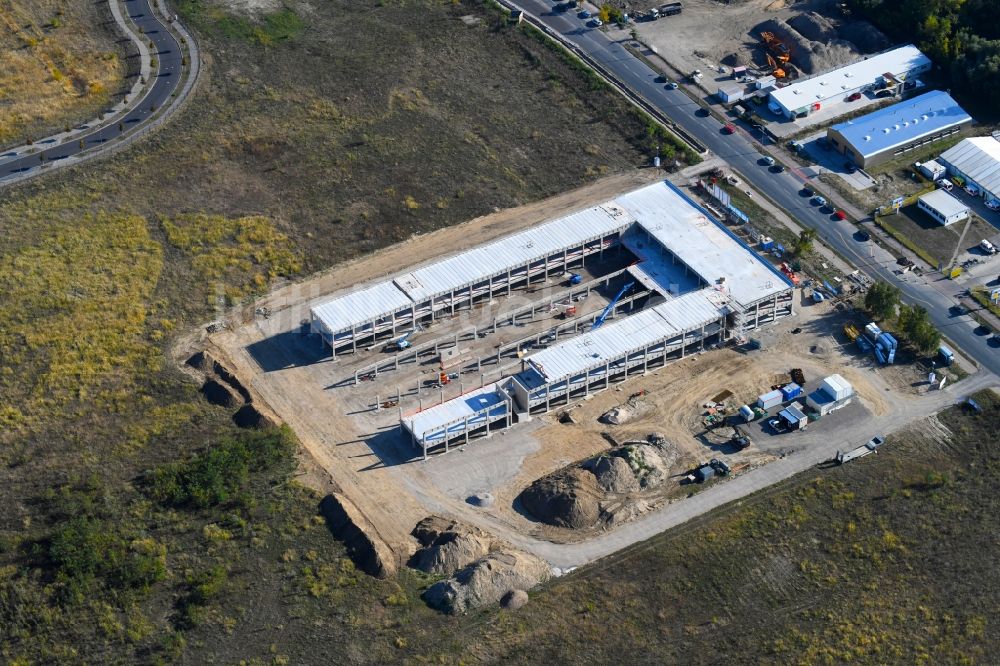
{"x":214,"y":476}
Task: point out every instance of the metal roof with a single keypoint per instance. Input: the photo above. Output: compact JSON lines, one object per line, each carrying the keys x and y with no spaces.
{"x":704,"y":245}
{"x":432,"y":421}
{"x":944,"y":203}
{"x":614,"y":340}
{"x":360,"y":307}
{"x":979,"y":159}
{"x":480,"y":263}
{"x":903,"y":123}
{"x":837,"y":82}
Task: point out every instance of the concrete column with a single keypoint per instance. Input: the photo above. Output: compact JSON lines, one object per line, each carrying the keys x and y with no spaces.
{"x":425,"y":446}
{"x":466,"y":429}
{"x":508,"y":283}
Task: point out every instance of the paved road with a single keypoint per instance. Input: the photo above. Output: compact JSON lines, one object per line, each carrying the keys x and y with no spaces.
{"x":167,"y":53}
{"x":784,"y":189}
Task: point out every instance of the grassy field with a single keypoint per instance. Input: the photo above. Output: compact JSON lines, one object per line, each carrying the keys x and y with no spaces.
{"x":934,"y":240}
{"x":61,"y":66}
{"x":141,"y":525}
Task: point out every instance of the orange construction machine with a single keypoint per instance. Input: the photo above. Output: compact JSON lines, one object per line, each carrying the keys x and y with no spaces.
{"x":775,"y":46}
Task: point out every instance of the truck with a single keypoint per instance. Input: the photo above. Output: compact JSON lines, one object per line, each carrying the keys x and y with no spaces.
{"x":670,"y":9}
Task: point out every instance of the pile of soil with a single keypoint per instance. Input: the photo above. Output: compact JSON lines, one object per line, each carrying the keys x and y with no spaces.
{"x":633,"y":408}
{"x":448,"y":545}
{"x":584,"y":494}
{"x":815,"y":41}
{"x":567,"y":498}
{"x":498,"y":575}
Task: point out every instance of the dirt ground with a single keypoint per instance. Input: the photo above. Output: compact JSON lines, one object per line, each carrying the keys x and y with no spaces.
{"x":709,"y":33}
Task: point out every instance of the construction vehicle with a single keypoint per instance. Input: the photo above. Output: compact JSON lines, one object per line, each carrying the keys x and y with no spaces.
{"x":401,"y":343}
{"x":444,"y":379}
{"x":564,"y":310}
{"x":775,"y":46}
{"x":851,"y":331}
{"x":611,"y":305}
{"x":574,"y":279}
{"x":721,"y":468}
{"x":776,"y":70}
{"x":740,"y":439}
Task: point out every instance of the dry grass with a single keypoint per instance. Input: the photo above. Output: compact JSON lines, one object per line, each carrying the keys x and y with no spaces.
{"x":57,"y":69}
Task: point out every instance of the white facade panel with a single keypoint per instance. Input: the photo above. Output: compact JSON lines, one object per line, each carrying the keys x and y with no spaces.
{"x":634,"y":333}
{"x":478,"y":264}
{"x":360,"y":307}
{"x":449,"y":417}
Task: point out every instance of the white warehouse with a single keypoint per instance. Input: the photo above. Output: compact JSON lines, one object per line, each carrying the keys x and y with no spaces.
{"x":889,"y":70}
{"x":707,"y":287}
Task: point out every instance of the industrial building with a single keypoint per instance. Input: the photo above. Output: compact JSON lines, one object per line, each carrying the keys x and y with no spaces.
{"x":977,"y":162}
{"x":705,"y":285}
{"x":885,"y":73}
{"x":835,"y":392}
{"x":897,"y":129}
{"x":944,"y":208}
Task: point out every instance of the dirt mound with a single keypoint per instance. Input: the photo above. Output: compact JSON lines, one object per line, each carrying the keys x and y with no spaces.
{"x":633,"y":408}
{"x":615,"y":475}
{"x":577,"y":496}
{"x":448,"y":545}
{"x":866,"y":37}
{"x":368,"y":551}
{"x":814,"y":27}
{"x":220,"y":393}
{"x":248,"y":416}
{"x":202,"y":360}
{"x":514,"y":599}
{"x":567,"y":498}
{"x":487,"y":581}
{"x":812,"y":57}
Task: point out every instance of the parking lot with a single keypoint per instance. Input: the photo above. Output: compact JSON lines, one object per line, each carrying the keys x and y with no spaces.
{"x":829,"y":160}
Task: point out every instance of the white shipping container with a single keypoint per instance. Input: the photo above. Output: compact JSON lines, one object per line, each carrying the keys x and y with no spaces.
{"x":768,"y":400}
{"x":837,"y":387}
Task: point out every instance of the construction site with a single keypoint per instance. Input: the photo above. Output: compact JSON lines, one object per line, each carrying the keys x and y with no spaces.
{"x":613,"y":290}
{"x":592,"y":361}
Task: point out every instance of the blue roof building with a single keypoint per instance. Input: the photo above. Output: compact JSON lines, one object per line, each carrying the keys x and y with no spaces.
{"x":897,"y":129}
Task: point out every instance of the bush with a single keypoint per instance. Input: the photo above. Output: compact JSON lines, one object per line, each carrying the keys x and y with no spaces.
{"x":216,"y":475}
{"x":84,"y":551}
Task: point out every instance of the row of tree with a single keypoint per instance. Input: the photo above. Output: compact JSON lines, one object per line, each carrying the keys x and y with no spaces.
{"x":912,"y":321}
{"x":963,"y":36}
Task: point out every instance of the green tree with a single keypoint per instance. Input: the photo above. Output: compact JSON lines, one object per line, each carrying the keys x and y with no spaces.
{"x":804,"y":243}
{"x":882,"y":300}
{"x":916,"y":325}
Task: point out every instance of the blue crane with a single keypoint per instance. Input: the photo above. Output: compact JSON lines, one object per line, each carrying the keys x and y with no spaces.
{"x":611,"y":306}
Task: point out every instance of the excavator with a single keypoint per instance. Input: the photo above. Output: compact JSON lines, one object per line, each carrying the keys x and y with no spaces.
{"x":776,"y":47}
{"x":776,"y":71}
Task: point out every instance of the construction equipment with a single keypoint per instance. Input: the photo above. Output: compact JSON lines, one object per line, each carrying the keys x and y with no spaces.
{"x":721,"y":468}
{"x":574,"y":279}
{"x":444,"y":379}
{"x":400,"y":343}
{"x":740,"y":439}
{"x":797,"y":376}
{"x":564,"y":310}
{"x":776,"y":70}
{"x":611,"y":306}
{"x":775,"y":46}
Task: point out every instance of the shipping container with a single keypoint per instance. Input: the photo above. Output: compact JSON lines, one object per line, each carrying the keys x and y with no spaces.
{"x":791,"y":391}
{"x":768,"y":400}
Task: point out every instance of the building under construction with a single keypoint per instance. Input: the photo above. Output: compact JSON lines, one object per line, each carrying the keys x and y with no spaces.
{"x":701,"y":286}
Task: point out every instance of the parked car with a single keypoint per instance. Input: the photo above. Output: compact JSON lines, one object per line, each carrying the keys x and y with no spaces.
{"x":987,"y":247}
{"x":729,"y":128}
{"x":993,"y":204}
{"x":672,"y":85}
{"x":840,"y":214}
{"x":732,"y":180}
{"x":778,"y":168}
{"x":595,"y":23}
{"x":945,"y":185}
{"x":875,"y":442}
{"x":769,"y":161}
{"x":584,"y":14}
{"x":818,"y":200}
{"x":854,"y":97}
{"x":862,"y":235}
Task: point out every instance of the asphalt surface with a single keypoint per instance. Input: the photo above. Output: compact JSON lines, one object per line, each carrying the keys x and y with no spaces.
{"x":935,"y":293}
{"x":167,"y":77}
